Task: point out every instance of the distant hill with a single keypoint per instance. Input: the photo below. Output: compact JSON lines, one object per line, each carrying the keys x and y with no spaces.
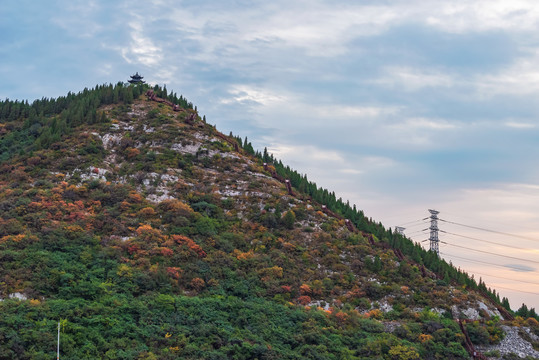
{"x":149,"y":234}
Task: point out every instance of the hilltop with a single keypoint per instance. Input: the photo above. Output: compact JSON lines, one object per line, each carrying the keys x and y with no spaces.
{"x":151,"y":235}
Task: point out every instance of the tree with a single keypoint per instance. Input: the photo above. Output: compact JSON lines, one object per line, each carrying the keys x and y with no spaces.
{"x":289,"y":219}
{"x":505,"y":304}
{"x":523,"y":311}
{"x":377,"y":264}
{"x":403,"y":352}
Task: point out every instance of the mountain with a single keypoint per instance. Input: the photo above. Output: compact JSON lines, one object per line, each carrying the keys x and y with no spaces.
{"x":149,"y":234}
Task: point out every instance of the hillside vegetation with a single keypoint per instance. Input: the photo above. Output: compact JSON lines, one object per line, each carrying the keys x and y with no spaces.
{"x":151,"y":235}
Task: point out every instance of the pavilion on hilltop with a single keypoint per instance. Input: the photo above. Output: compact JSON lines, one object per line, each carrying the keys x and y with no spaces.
{"x":136,"y":79}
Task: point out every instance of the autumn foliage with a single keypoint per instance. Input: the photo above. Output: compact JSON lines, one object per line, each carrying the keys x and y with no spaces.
{"x":190,"y":244}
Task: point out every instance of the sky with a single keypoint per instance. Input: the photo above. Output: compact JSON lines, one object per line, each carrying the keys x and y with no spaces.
{"x":397,"y":106}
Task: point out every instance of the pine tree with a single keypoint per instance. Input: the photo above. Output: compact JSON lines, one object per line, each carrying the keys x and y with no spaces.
{"x":505,"y":304}
{"x":447,"y":280}
{"x":523,"y":311}
{"x":289,"y":219}
{"x":128,"y":95}
{"x":102,"y":117}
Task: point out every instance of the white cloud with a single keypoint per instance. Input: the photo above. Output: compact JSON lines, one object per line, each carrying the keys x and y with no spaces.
{"x":322,"y":163}
{"x":164,"y":74}
{"x":520,"y":125}
{"x":354,"y":112}
{"x":309,"y":153}
{"x":233,"y":37}
{"x":426,"y":123}
{"x":323,"y":29}
{"x":141,"y":48}
{"x":520,"y":78}
{"x":484,"y":15}
{"x":412,"y":79}
{"x":351,"y":171}
{"x":258,"y":95}
{"x":418,"y":132}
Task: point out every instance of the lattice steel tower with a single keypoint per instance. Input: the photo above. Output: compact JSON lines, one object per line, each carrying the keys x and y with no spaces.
{"x":434,"y":231}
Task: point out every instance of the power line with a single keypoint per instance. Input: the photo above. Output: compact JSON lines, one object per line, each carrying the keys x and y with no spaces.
{"x":491,"y":231}
{"x":487,"y":241}
{"x":491,"y":253}
{"x":492,"y":221}
{"x":501,"y":287}
{"x":522,"y":291}
{"x":416,"y":232}
{"x":411,"y":222}
{"x":422,"y":223}
{"x":488,"y":252}
{"x":506,"y":278}
{"x":416,"y":225}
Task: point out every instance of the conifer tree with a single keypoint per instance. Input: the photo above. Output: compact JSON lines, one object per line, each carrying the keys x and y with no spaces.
{"x":505,"y":303}
{"x":289,"y":219}
{"x":523,"y":311}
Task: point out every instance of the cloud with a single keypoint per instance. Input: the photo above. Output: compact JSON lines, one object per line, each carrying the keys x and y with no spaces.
{"x":351,"y":171}
{"x":327,"y":29}
{"x":407,"y":133}
{"x":520,"y":125}
{"x":323,"y":29}
{"x":141,"y":48}
{"x":412,"y":79}
{"x":250,"y":94}
{"x":348,"y":111}
{"x":265,"y":41}
{"x":310,"y":153}
{"x":520,"y":78}
{"x":426,"y":123}
{"x":318,"y":158}
{"x":484,"y":15}
{"x":520,"y":268}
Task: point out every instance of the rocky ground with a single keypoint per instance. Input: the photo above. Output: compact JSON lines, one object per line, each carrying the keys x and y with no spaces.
{"x":513,"y":344}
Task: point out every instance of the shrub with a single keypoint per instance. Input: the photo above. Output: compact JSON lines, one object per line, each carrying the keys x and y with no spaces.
{"x":478,"y":334}
{"x":403,"y":352}
{"x":289,"y":219}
